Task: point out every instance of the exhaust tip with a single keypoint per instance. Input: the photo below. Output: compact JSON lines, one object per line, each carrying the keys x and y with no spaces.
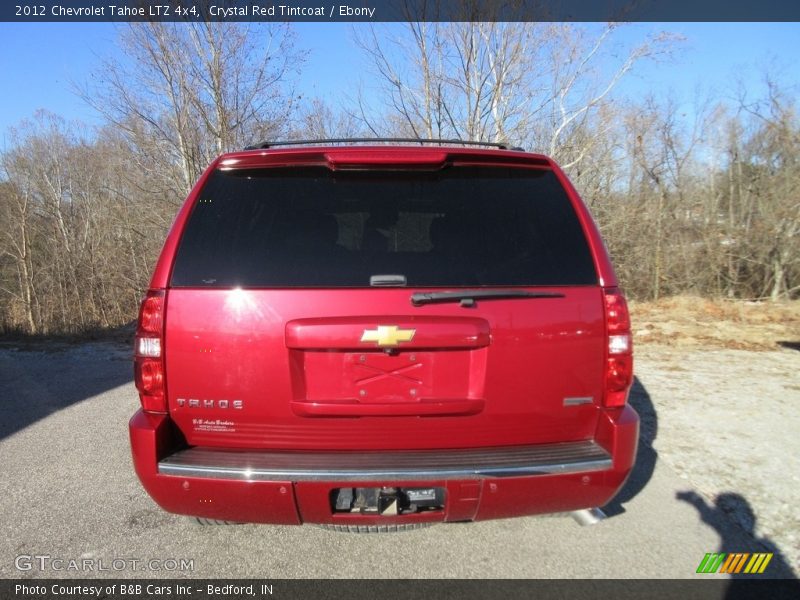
{"x":588,"y":516}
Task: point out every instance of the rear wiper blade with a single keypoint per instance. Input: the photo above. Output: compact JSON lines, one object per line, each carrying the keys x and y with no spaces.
{"x":468,"y":297}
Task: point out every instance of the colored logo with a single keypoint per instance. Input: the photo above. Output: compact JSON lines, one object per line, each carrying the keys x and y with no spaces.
{"x":388,"y":335}
{"x":742,"y":562}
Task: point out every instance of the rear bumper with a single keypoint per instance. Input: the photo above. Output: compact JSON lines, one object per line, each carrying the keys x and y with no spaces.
{"x":295,"y":487}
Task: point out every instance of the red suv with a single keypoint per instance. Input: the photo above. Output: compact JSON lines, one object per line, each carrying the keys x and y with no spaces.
{"x":375,"y":337}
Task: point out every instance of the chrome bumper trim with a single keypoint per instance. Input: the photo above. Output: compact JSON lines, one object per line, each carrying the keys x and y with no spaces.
{"x":271,"y":465}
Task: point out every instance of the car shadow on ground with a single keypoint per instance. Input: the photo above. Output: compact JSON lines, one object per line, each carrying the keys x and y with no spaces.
{"x":41,"y":375}
{"x":646,"y":456}
{"x":789,"y":345}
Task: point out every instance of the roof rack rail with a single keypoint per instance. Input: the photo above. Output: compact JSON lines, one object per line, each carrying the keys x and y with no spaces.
{"x":265,"y":145}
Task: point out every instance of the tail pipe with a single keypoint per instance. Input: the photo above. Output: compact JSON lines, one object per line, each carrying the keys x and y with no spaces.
{"x":588,"y":516}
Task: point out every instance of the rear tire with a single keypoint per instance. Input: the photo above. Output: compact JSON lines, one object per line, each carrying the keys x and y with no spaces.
{"x":375,"y":528}
{"x":212,"y":522}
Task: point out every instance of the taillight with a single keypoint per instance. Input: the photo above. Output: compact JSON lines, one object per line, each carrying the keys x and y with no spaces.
{"x":148,"y":362}
{"x":619,"y":350}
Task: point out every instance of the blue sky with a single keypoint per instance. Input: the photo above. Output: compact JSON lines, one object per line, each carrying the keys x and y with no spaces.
{"x":38,"y":61}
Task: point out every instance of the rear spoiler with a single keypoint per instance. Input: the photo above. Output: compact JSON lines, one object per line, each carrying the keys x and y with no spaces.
{"x":380,"y":157}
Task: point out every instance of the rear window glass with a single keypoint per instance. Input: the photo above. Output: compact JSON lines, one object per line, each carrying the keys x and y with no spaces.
{"x":311,"y":227}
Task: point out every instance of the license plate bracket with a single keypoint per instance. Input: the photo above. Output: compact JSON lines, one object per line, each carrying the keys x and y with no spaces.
{"x":387,"y":500}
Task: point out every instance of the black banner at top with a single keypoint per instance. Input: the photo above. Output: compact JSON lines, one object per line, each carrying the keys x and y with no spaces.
{"x":398,"y":10}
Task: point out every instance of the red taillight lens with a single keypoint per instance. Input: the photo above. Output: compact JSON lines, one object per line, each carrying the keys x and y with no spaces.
{"x":149,"y":376}
{"x":150,"y":314}
{"x":618,"y":319}
{"x":619,"y":349}
{"x":148,"y":366}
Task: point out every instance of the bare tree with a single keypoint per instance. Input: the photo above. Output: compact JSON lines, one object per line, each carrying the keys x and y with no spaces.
{"x":774,"y":169}
{"x":464,"y":80}
{"x":193,"y":90}
{"x":702,"y":199}
{"x":319,"y":120}
{"x":534,"y":84}
{"x":16,"y":246}
{"x":77,"y":239}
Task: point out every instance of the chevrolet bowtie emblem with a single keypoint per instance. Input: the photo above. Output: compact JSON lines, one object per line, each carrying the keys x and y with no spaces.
{"x":388,"y":335}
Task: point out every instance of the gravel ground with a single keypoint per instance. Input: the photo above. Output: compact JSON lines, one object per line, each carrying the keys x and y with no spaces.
{"x":728,"y":422}
{"x":717,"y":424}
